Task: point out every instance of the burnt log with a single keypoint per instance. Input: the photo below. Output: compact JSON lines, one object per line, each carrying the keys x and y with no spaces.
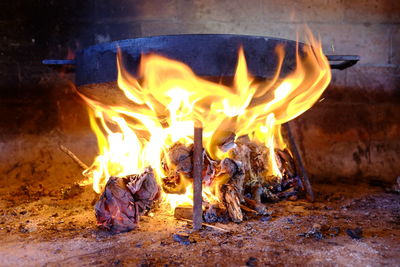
{"x":299,"y":161}
{"x":231,"y":200}
{"x":232,"y":172}
{"x":259,"y":207}
{"x":180,"y":158}
{"x":287,"y":166}
{"x":254,"y":158}
{"x":183,"y":212}
{"x":124,"y":199}
{"x":178,"y":165}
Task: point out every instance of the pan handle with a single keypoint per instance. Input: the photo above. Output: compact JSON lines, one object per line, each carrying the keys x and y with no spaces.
{"x":346,"y":61}
{"x":58,"y":62}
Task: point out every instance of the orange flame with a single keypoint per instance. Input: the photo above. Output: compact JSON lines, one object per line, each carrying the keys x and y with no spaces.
{"x":168,"y":97}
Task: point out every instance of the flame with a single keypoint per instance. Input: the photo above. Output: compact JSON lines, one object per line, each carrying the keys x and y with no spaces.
{"x":166,"y":99}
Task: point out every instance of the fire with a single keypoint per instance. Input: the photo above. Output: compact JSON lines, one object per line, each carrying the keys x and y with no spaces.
{"x":167,"y":97}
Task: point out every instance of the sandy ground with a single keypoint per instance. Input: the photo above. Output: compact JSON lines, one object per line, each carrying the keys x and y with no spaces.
{"x":56,"y":227}
{"x":47,"y":221}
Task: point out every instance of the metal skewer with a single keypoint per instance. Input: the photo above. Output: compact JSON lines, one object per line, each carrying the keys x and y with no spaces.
{"x":197,"y":177}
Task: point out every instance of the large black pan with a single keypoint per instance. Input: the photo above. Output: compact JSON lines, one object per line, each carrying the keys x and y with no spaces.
{"x":211,"y":55}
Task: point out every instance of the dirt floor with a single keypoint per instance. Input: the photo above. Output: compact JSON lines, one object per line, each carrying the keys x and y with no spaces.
{"x":43,"y":225}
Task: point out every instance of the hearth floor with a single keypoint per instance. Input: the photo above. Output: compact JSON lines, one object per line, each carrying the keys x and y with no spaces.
{"x":40,"y":228}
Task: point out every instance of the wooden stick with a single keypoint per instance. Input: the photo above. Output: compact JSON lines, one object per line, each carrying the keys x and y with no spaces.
{"x":299,"y":161}
{"x":197,"y":177}
{"x":207,"y":225}
{"x":245,"y":208}
{"x":73,"y":157}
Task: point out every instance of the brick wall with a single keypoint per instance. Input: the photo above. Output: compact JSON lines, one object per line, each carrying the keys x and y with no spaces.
{"x":353,"y":132}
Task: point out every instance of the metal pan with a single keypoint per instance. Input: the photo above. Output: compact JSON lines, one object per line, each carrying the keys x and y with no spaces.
{"x":211,"y":55}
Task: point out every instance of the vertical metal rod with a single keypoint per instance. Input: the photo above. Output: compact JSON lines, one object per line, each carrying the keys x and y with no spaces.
{"x":299,"y":161}
{"x":197,"y":177}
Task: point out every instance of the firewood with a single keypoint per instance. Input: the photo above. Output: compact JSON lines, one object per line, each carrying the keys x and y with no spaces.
{"x":260,"y":208}
{"x":287,"y":193}
{"x":73,"y":157}
{"x":124,"y":199}
{"x":183,"y":212}
{"x":248,"y":210}
{"x":209,"y":226}
{"x":287,"y":166}
{"x":178,"y":165}
{"x":232,"y":172}
{"x":299,"y":161}
{"x":180,"y":158}
{"x":115,"y":210}
{"x":256,"y":191}
{"x":231,"y":199}
{"x":209,"y":168}
{"x":254,"y":158}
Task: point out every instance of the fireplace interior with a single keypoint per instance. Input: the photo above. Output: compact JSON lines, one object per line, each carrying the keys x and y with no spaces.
{"x":348,"y":141}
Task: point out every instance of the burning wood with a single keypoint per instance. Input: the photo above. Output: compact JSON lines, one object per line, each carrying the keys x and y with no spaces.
{"x":231,"y":199}
{"x":254,"y":158}
{"x":240,"y":181}
{"x":124,"y":200}
{"x":243,"y":163}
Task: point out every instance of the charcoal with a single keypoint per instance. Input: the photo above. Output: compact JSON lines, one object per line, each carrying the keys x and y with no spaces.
{"x":210,"y":215}
{"x":265,"y":218}
{"x":182,"y":239}
{"x":252,"y":262}
{"x":321,"y":231}
{"x":315,"y":232}
{"x":334,"y":231}
{"x":355,"y":233}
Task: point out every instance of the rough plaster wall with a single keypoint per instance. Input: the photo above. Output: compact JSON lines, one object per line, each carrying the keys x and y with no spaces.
{"x":354,"y":132}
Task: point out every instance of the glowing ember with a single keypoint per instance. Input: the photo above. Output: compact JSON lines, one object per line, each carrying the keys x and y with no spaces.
{"x":167,"y":97}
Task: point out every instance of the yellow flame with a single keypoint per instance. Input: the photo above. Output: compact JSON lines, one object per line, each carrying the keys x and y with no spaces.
{"x":168,"y":97}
